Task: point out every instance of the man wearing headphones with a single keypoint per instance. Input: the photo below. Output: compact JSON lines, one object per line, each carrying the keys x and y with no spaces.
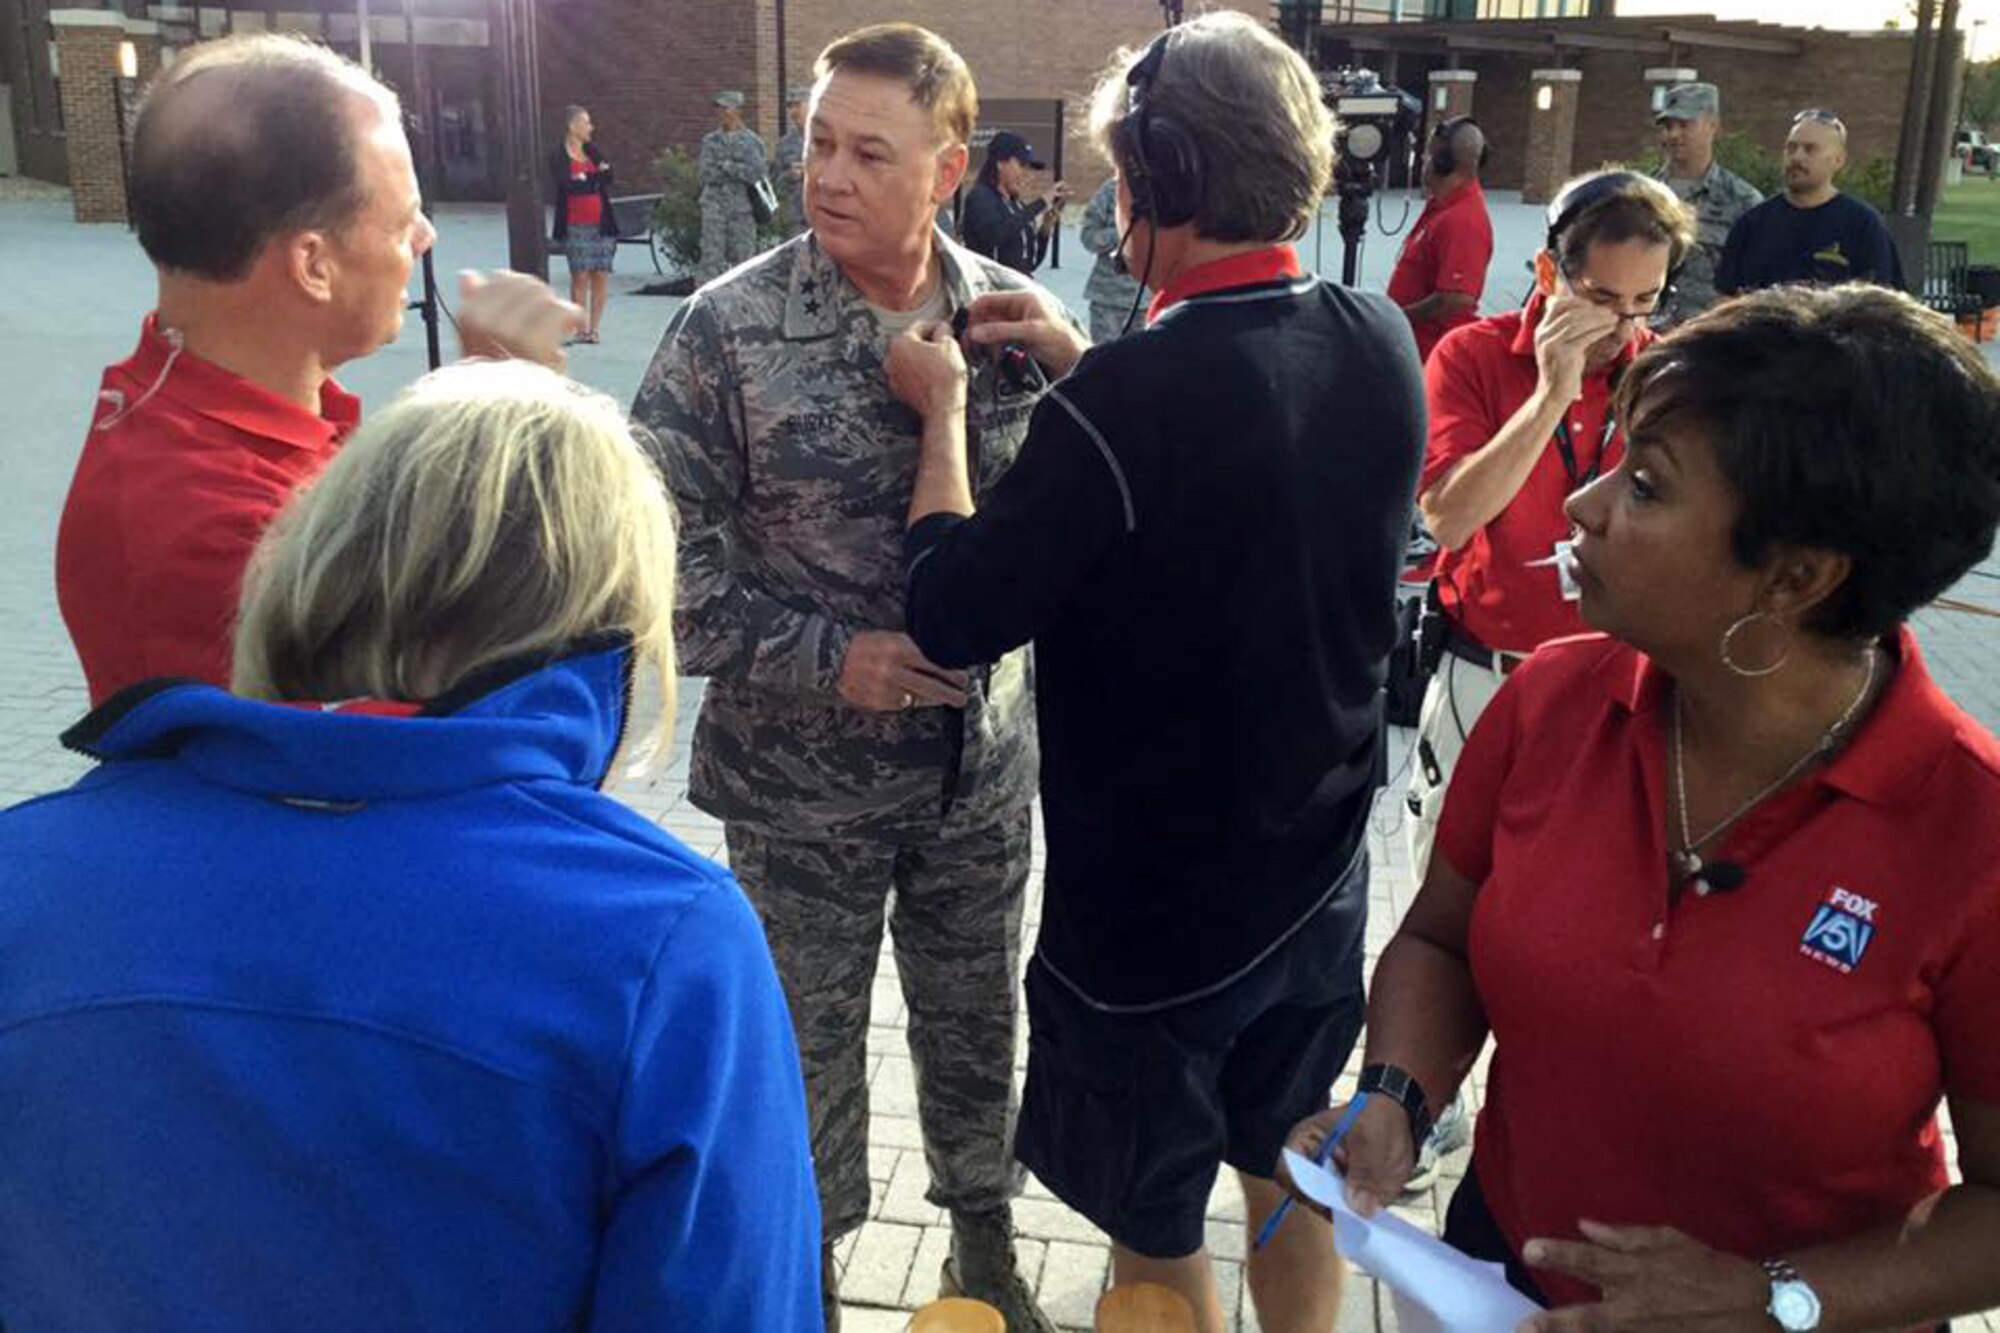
{"x":1202,"y":536}
{"x":1441,"y":271}
{"x":1520,"y":416}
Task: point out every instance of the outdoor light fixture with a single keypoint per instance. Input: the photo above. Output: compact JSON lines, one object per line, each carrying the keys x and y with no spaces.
{"x":1545,"y":97}
{"x":128,"y":61}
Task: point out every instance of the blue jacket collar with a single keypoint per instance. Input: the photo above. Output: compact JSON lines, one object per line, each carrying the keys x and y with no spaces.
{"x":559,"y":720}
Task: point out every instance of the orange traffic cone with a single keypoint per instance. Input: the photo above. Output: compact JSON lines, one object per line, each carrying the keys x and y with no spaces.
{"x":1144,"y":1307}
{"x":958,"y":1314}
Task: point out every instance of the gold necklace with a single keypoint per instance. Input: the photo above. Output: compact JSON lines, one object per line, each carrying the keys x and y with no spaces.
{"x":1686,"y":863}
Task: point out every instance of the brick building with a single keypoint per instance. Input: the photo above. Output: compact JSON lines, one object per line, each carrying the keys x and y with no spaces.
{"x":648,"y":68}
{"x":1558,"y":97}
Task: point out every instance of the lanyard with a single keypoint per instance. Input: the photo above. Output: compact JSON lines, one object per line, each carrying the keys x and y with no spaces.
{"x":1567,"y":448}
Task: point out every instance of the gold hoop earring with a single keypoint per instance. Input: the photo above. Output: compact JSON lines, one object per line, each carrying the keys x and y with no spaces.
{"x":1726,"y":648}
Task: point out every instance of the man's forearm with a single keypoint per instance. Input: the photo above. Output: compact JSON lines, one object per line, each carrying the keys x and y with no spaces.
{"x":943,"y":484}
{"x":1474,"y":492}
{"x":1438,"y":305}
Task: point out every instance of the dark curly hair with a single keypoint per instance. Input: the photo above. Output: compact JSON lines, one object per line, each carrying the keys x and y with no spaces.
{"x":1847,"y":419}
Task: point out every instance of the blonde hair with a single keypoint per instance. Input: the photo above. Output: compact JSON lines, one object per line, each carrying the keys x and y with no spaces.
{"x":1252,"y":108}
{"x":922,"y":61}
{"x":493,"y":512}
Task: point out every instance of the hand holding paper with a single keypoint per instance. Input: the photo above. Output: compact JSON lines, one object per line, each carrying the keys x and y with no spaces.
{"x":1436,"y":1289}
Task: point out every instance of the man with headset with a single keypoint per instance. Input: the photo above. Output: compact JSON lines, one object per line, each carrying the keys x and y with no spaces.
{"x":1202,"y":536}
{"x":1520,"y":416}
{"x":1441,"y":270}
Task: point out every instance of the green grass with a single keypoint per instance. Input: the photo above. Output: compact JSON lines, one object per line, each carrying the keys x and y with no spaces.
{"x":1970,"y":212}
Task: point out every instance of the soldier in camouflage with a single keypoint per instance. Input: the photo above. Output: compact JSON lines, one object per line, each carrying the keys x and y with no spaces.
{"x":843,"y":763}
{"x":788,"y":162}
{"x":1688,"y":120}
{"x":732,"y":161}
{"x":1110,"y":290}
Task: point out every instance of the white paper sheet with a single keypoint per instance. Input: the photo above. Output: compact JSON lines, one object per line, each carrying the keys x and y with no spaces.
{"x":1436,"y":1288}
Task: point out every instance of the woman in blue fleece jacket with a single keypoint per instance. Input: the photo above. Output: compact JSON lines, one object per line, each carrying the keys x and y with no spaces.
{"x":363,"y":1008}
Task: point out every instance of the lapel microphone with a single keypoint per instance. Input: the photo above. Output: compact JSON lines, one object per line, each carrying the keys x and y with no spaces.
{"x":1721,"y":877}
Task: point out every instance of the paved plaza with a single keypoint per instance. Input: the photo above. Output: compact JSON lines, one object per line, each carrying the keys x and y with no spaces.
{"x":73,"y":297}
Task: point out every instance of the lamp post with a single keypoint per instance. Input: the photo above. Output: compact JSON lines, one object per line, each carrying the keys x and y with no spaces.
{"x":520,"y":110}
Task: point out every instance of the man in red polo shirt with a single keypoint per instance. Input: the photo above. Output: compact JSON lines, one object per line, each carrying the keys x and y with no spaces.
{"x":1520,"y":416}
{"x":1441,"y":271}
{"x":272,"y":187}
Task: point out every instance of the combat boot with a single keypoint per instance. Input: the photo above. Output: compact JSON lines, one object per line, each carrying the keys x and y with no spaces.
{"x":982,"y":1265}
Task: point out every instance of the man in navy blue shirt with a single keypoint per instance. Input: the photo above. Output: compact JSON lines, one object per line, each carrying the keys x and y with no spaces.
{"x":1812,"y":232}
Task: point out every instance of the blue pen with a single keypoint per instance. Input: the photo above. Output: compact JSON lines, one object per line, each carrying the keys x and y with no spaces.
{"x":1325,"y":1154}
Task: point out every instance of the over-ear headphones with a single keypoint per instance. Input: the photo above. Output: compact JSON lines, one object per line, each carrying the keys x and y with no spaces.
{"x":1443,"y":156}
{"x":1166,"y":177}
{"x":1568,"y":208}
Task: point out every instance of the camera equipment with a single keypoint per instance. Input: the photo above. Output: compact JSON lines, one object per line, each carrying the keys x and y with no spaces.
{"x":1377,"y":128}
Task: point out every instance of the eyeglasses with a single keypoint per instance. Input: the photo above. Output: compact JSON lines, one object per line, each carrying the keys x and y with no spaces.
{"x":1821,"y":116}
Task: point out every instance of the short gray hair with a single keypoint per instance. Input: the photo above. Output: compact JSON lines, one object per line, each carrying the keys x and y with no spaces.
{"x":1253,"y":109}
{"x":493,"y":512}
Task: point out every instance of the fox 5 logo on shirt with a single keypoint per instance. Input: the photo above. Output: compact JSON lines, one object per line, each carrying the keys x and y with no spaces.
{"x":1841,"y":930}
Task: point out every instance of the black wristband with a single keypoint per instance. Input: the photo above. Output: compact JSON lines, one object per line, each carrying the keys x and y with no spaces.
{"x":1395,"y":1083}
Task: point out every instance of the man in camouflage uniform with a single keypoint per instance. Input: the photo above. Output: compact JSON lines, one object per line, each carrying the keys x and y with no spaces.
{"x":1688,"y":120}
{"x":843,"y":763}
{"x":1110,"y":290}
{"x":788,"y":162}
{"x":732,"y":161}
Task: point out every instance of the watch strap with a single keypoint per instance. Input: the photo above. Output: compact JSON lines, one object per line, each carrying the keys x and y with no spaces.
{"x":1397,"y":1084}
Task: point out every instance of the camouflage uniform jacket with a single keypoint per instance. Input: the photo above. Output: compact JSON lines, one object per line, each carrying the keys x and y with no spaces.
{"x":1106,"y":285}
{"x":790,"y":152}
{"x":731,"y":160}
{"x":1718,"y":198}
{"x":791,"y":466}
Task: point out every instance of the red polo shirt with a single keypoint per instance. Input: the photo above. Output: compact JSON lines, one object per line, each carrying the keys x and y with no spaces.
{"x":1447,"y":251}
{"x":1242,"y":270}
{"x":1479,"y":377}
{"x":184,"y":467}
{"x":1759,"y":1068}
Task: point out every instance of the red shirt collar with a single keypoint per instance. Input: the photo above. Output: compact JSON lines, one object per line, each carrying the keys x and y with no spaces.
{"x":1531,"y":319}
{"x":1245,"y":270}
{"x":1464,"y":194}
{"x":227,"y":397}
{"x":1893,"y":755}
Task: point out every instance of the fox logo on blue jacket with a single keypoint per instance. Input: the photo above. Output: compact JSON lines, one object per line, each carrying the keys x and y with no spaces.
{"x":1841,"y":930}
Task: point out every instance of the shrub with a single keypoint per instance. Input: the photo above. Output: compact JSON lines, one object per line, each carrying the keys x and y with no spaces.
{"x":677,"y":216}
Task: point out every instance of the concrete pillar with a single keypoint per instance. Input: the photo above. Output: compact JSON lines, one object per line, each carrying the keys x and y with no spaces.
{"x":87,"y":51}
{"x":1451,"y":94}
{"x":1552,"y":97}
{"x":1661,"y":78}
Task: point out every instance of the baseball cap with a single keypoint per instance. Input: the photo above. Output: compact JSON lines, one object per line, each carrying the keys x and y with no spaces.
{"x":731,"y":98}
{"x":1006,"y":144}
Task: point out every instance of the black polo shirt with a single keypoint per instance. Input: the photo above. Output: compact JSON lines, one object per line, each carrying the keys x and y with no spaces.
{"x":1842,"y":240}
{"x":1202,"y":536}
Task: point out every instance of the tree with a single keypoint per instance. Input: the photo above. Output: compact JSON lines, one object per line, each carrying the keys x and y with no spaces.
{"x":1982,"y":95}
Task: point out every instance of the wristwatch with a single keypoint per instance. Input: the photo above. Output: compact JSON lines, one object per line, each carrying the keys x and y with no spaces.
{"x":1395,"y":1083}
{"x":1794,"y":1304}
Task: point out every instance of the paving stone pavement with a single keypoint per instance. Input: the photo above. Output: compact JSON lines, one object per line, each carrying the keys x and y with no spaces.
{"x":73,"y":299}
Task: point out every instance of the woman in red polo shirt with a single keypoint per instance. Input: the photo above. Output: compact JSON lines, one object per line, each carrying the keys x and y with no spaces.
{"x":1724,"y":883}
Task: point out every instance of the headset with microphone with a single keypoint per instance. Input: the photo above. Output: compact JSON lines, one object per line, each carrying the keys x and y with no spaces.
{"x":1163,"y":162}
{"x":1444,"y":156}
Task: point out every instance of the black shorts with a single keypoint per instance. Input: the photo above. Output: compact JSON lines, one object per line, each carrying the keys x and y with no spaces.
{"x":1128,"y":1117}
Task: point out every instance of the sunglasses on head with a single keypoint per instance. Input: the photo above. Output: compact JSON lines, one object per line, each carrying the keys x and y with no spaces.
{"x":1820,"y":116}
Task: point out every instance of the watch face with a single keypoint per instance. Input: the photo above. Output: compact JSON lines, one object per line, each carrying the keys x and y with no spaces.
{"x":1794,"y":1306}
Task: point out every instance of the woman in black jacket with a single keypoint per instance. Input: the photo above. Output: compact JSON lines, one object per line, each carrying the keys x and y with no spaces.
{"x":995,"y":222}
{"x":585,"y":225}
